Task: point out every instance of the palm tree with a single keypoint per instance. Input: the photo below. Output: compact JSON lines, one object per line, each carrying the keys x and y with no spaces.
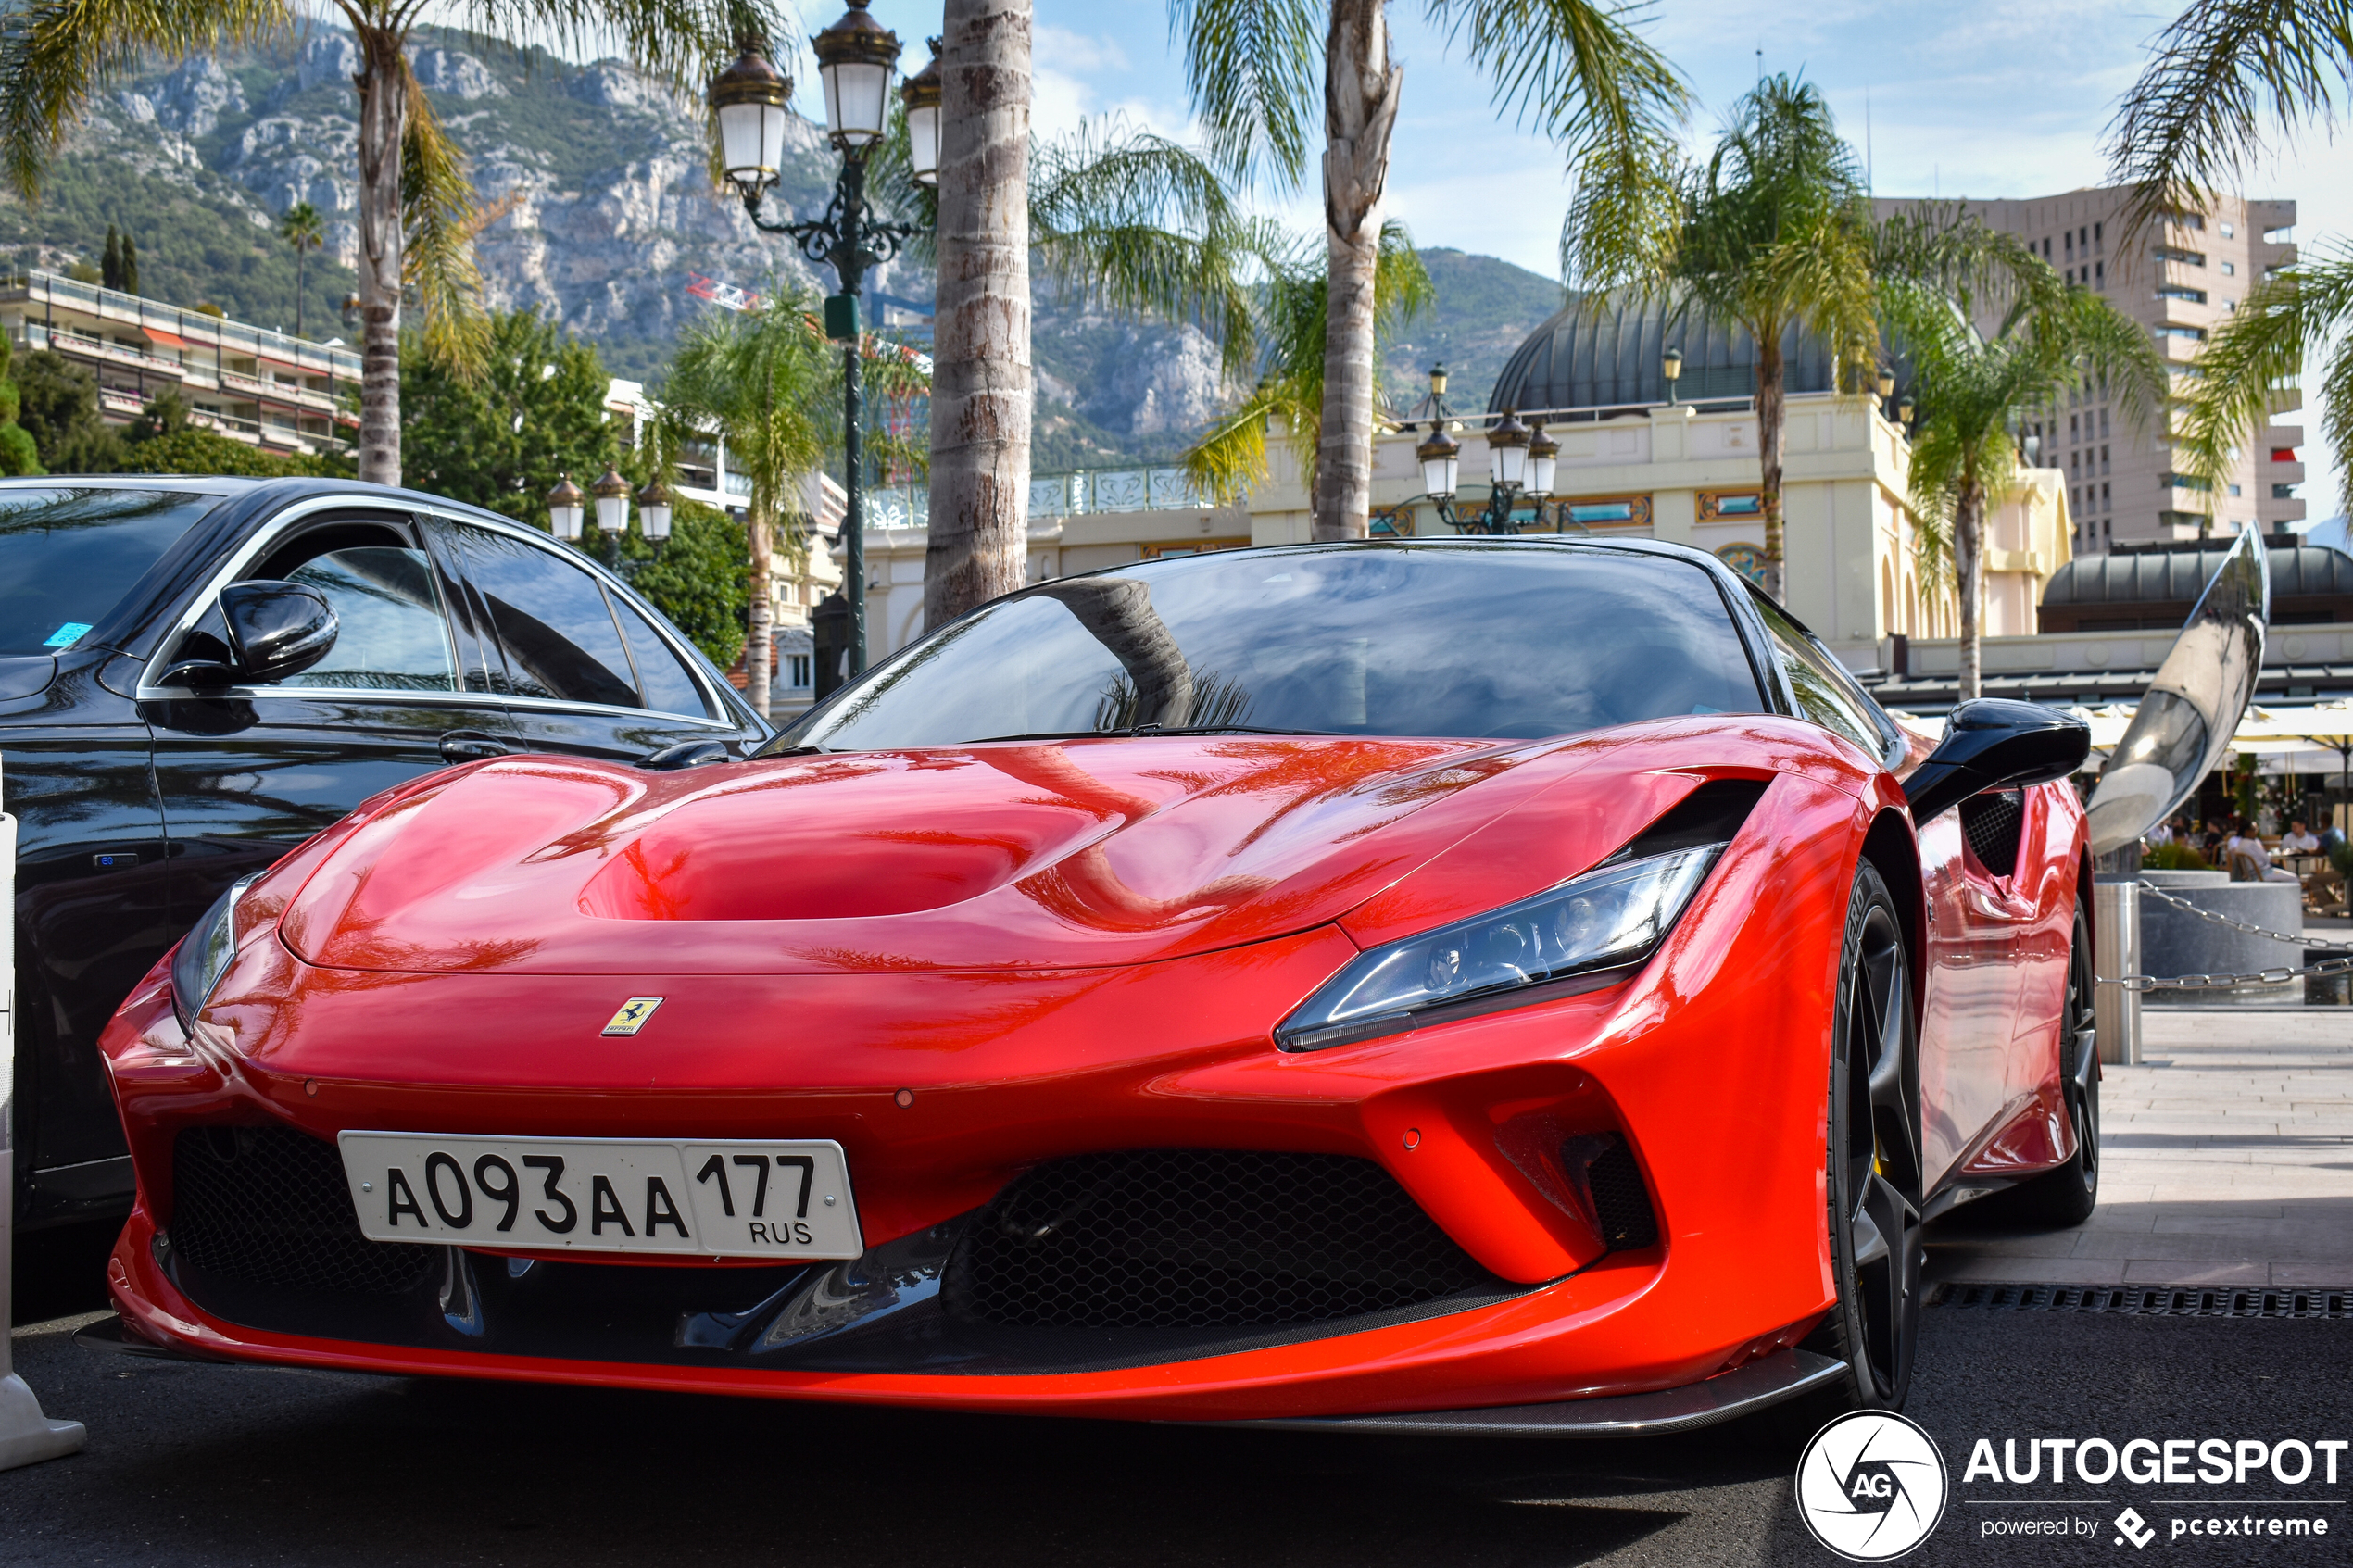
{"x":2226,"y":74}
{"x":416,"y":201}
{"x":1772,"y":233}
{"x":1293,"y":317}
{"x":306,"y":230}
{"x":1576,"y":66}
{"x":764,"y":381}
{"x":1971,"y":389}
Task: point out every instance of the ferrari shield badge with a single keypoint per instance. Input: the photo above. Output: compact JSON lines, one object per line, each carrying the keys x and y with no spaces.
{"x":633,"y":1015}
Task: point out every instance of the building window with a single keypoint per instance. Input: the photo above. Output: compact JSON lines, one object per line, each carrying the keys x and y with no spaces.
{"x":2279,"y":492}
{"x":2069,"y":247}
{"x":2104,"y":497}
{"x":2193,"y":334}
{"x":2187,"y":297}
{"x":796,"y":670}
{"x":2103,"y":432}
{"x":2235,"y":489}
{"x":2099,"y":274}
{"x":2230,"y":269}
{"x":2229,"y":231}
{"x":2095,"y":233}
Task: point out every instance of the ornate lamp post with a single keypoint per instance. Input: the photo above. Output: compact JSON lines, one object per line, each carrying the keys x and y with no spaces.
{"x":855,"y":57}
{"x":1521,"y":460}
{"x":567,"y":507}
{"x":1670,"y":365}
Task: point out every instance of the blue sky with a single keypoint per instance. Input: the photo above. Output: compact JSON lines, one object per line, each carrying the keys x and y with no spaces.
{"x":2002,"y":98}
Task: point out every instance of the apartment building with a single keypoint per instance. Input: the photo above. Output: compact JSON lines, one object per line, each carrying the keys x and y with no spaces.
{"x":279,"y":393}
{"x":2182,"y":280}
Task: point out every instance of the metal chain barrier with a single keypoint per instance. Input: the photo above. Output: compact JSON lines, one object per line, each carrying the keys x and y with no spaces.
{"x":2142,"y":983}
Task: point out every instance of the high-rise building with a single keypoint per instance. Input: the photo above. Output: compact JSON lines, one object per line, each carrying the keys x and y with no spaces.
{"x":2182,"y":280}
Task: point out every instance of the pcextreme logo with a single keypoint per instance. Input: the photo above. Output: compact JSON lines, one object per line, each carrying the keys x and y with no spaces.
{"x":1871,"y":1486}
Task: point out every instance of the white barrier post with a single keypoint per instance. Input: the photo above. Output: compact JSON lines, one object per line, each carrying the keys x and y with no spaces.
{"x":2116,"y":951}
{"x":26,"y":1436}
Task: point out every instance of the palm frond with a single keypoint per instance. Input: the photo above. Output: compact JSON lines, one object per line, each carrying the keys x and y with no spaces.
{"x":440,"y":218}
{"x":2303,"y":312}
{"x":56,"y":55}
{"x":763,"y":380}
{"x":2225,"y":72}
{"x":1253,"y":68}
{"x":1626,"y":208}
{"x":682,"y":40}
{"x":1582,"y":72}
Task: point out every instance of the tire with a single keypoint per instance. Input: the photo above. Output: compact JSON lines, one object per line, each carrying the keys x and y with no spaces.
{"x":2062,"y":1198}
{"x":1873,"y":1154}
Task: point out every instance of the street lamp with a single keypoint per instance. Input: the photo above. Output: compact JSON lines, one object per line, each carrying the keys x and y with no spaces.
{"x":653,"y":513}
{"x":1670,"y":365}
{"x":921,"y":96}
{"x":1905,"y":412}
{"x":566,"y":508}
{"x":1543,"y":457}
{"x":1441,"y":460}
{"x":612,"y":503}
{"x":855,"y":57}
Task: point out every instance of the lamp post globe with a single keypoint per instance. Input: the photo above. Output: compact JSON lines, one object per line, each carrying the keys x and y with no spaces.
{"x":855,"y":57}
{"x":920,"y":96}
{"x":1544,"y":459}
{"x":1508,"y":452}
{"x":566,"y":508}
{"x":749,"y":100}
{"x":612,"y":503}
{"x":1886,"y":383}
{"x":653,"y":511}
{"x":1670,"y":365}
{"x":1441,"y":460}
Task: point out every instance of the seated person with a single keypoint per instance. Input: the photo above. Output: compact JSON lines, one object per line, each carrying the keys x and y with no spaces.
{"x":2244,"y":842}
{"x":2298,"y":840}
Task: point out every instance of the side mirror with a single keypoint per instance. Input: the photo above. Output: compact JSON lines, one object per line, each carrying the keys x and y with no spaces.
{"x":687,"y":753}
{"x":1993,"y":743}
{"x":275,"y":630}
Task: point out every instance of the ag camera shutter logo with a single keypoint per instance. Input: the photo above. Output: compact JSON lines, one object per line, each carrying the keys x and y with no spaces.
{"x":1871,"y":1486}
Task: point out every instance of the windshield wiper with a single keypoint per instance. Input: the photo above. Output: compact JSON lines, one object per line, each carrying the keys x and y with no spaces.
{"x":1137,"y":731}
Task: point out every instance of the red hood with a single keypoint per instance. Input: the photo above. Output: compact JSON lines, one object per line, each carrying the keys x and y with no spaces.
{"x":1003,"y":856}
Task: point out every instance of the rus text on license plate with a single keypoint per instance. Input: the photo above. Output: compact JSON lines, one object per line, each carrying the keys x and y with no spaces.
{"x":758,"y":1198}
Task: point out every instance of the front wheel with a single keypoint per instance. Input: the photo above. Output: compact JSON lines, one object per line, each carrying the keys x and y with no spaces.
{"x":1873,"y":1153}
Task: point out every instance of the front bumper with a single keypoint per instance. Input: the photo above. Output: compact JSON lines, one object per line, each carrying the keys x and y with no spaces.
{"x":1709,"y":1065}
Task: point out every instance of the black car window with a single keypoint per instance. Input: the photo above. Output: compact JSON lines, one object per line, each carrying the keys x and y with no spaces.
{"x":667,"y":686}
{"x":1826,"y":693}
{"x":69,"y":554}
{"x":1504,"y":640}
{"x":392,"y":633}
{"x":551,"y":618}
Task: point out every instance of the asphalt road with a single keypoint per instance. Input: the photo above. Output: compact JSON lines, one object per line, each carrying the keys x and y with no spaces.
{"x":211,"y":1465}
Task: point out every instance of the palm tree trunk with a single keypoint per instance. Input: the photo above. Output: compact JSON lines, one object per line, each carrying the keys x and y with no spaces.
{"x":298,"y":260}
{"x":383,"y":106}
{"x":1361,"y":87}
{"x":1968,"y":567}
{"x":760,"y":639}
{"x":1772,"y":441}
{"x":980,"y":392}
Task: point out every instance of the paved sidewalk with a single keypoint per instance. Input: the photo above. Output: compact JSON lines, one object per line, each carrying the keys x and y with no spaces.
{"x":2229,"y":1162}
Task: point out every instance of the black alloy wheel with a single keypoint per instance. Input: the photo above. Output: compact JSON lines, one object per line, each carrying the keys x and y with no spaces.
{"x":2057,"y":1200}
{"x":1874,"y":1156}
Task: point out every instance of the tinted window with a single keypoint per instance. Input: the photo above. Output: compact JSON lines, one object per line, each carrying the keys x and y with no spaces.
{"x":69,"y":555}
{"x":552,"y":621}
{"x":391,"y":635}
{"x":1826,"y":693}
{"x":667,"y":686}
{"x":1507,"y":641}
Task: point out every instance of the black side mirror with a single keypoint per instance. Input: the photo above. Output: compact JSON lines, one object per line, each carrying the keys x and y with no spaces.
{"x":687,"y":753}
{"x":275,"y":630}
{"x":1993,"y":743}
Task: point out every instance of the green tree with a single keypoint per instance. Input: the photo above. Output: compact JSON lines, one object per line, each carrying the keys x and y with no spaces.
{"x":20,"y":453}
{"x":1772,"y":233}
{"x":190,"y":451}
{"x":2226,"y":75}
{"x":763,"y":380}
{"x":1576,"y":67}
{"x":1291,"y":319}
{"x":130,"y":265}
{"x":110,"y":264}
{"x":1972,"y":390}
{"x":59,"y":407}
{"x":306,"y":230}
{"x":500,"y":438}
{"x":416,"y":212}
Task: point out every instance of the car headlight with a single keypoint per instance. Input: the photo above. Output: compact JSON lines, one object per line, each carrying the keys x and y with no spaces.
{"x":204,"y":953}
{"x":1607,"y":920}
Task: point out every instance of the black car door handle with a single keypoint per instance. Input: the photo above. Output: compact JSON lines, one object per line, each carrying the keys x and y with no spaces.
{"x":471,"y":745}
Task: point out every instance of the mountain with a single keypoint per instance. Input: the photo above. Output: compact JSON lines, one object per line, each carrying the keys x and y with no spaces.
{"x":606,"y":219}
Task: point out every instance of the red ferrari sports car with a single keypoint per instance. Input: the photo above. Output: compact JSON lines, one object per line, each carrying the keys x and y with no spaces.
{"x":1507,"y":985}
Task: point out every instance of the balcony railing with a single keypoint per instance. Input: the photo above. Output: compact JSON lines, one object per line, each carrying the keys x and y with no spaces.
{"x":234,"y":339}
{"x":1113,"y":490}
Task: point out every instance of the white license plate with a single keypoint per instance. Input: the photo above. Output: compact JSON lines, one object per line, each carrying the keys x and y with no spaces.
{"x":757,"y":1198}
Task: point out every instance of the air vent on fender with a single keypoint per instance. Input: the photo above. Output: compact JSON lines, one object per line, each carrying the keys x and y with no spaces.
{"x":1992,"y":822}
{"x":1710,"y":814}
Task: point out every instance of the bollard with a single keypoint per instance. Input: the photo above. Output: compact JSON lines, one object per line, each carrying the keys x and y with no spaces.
{"x":26,"y":1436}
{"x":2115,"y":950}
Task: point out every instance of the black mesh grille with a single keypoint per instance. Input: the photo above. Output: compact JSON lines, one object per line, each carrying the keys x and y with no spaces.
{"x":1992,"y":822}
{"x":1620,"y":1200}
{"x":268,"y":1206}
{"x":1202,"y":1238}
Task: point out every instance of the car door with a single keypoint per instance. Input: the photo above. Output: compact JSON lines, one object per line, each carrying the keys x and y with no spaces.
{"x":586,"y":668}
{"x":246,"y":774}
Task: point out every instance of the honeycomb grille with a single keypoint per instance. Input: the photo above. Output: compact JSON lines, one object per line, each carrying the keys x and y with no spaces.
{"x":268,"y":1206}
{"x":1992,"y":821}
{"x":1202,"y":1238}
{"x":1620,"y":1200}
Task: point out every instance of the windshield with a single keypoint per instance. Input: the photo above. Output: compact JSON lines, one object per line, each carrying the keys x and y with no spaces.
{"x":67,"y":555}
{"x":1497,"y":640}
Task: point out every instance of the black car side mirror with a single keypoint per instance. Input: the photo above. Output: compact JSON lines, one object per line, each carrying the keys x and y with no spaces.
{"x":1992,"y":743}
{"x":275,"y":630}
{"x":687,"y":753}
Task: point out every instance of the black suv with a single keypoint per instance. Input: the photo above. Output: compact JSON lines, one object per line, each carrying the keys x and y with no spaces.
{"x":197,"y":674}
